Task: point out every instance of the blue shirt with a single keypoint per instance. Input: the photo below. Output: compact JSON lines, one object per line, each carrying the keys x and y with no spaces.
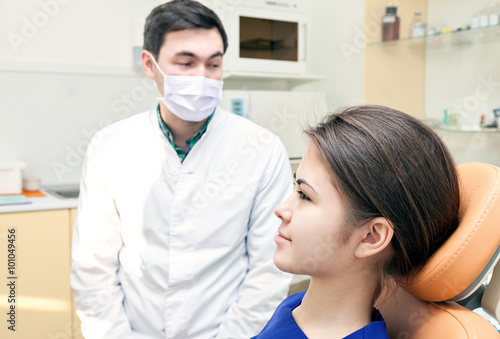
{"x":282,"y":324}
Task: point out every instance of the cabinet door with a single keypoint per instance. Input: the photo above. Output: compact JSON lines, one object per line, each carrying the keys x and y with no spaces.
{"x":34,"y":284}
{"x":77,"y":334}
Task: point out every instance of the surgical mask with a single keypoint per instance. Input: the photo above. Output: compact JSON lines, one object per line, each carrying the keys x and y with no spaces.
{"x":191,"y":98}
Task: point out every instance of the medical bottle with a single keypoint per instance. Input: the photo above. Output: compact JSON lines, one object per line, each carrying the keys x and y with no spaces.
{"x":417,"y":26}
{"x":390,"y":24}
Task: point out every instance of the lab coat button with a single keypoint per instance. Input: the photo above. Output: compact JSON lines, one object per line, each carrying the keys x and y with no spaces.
{"x":174,"y":172}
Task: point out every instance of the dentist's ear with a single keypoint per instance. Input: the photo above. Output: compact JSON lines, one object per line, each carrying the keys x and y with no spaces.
{"x":152,"y":71}
{"x":373,"y":237}
{"x":148,"y":64}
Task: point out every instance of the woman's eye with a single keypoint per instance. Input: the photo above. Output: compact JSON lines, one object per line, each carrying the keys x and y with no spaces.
{"x":303,"y":196}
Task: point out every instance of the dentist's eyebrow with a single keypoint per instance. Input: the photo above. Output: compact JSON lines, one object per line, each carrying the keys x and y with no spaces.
{"x":216,"y":54}
{"x":185,"y":54}
{"x":192,"y":55}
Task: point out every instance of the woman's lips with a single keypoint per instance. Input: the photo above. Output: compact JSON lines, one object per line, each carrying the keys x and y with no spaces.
{"x":280,"y":238}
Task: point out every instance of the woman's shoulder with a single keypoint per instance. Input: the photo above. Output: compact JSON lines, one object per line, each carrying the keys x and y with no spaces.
{"x":374,"y":330}
{"x":282,"y":324}
{"x":292,"y":301}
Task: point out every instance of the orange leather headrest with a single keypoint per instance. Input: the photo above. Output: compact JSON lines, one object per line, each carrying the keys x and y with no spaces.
{"x":460,"y":265}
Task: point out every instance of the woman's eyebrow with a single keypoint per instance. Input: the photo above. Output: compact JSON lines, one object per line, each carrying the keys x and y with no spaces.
{"x":303,"y":182}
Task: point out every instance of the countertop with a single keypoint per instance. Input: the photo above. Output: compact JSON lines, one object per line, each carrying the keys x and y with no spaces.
{"x":49,"y":202}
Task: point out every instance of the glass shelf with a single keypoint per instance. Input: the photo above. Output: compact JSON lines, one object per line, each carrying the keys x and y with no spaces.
{"x":462,"y":37}
{"x":439,"y":126}
{"x":272,"y":76}
{"x":250,"y":80}
{"x":68,"y":68}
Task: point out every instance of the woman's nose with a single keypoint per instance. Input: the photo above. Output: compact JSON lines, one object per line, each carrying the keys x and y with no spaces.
{"x":283,"y":211}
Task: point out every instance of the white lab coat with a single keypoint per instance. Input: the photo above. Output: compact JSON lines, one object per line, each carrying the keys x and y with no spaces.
{"x":169,"y":250}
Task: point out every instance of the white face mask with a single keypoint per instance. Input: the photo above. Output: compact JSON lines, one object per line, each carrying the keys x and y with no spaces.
{"x":191,"y":98}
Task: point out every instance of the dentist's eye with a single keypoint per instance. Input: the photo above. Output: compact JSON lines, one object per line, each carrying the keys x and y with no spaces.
{"x":303,"y":196}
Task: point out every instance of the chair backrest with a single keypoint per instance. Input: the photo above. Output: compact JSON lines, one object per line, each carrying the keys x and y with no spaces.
{"x":427,"y":308}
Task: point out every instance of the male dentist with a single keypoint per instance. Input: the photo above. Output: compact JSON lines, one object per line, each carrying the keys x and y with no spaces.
{"x":175,"y":225}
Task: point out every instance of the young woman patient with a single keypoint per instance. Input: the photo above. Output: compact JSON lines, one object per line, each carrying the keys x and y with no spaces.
{"x":375,"y":195}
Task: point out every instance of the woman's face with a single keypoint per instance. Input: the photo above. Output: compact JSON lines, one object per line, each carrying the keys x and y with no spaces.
{"x":312,"y":218}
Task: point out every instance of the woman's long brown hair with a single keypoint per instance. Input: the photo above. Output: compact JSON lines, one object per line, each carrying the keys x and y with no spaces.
{"x":388,"y":164}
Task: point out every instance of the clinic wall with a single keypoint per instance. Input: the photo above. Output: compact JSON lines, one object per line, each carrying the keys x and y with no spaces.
{"x":334,"y":51}
{"x":65,"y":72}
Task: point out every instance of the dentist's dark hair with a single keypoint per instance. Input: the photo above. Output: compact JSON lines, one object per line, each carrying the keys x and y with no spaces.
{"x":388,"y":164}
{"x":178,"y":15}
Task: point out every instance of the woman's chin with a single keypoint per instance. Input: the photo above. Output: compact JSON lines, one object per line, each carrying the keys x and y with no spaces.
{"x":283,"y":264}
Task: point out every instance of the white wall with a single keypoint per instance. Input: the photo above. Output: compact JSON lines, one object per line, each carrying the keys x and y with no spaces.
{"x":65,"y":71}
{"x":334,"y":24}
{"x":70,"y":31}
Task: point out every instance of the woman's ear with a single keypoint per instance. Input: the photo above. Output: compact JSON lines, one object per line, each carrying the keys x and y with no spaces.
{"x":373,"y":237}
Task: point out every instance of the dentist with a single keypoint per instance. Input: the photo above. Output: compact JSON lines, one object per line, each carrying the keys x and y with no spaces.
{"x":175,"y":225}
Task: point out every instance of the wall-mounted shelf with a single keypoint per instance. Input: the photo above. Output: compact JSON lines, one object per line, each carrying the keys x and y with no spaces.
{"x":303,"y":78}
{"x":67,"y":68}
{"x":428,"y":75}
{"x":461,"y":37}
{"x":112,"y":70}
{"x":439,"y":126}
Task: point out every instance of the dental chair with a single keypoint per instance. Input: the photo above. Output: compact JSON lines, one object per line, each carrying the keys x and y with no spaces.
{"x":428,"y":308}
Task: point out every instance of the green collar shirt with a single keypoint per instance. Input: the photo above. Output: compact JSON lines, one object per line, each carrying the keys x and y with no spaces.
{"x":189,"y":143}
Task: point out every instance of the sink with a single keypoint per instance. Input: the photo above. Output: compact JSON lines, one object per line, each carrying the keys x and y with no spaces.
{"x":67,"y":192}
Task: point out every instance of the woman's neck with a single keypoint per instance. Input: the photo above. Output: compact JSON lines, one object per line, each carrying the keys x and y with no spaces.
{"x":335,"y":308}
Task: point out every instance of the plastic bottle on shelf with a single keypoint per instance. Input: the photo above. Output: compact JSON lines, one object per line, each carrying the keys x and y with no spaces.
{"x":484,"y":20}
{"x":390,"y":24}
{"x":494,"y":15}
{"x":480,"y":18}
{"x":494,"y":19}
{"x":418,"y":26}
